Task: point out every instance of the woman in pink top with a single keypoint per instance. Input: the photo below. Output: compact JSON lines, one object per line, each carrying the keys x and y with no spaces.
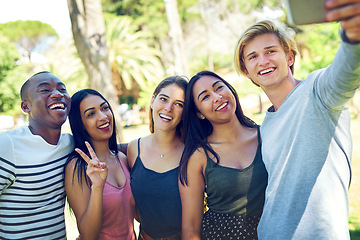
{"x":97,"y":180}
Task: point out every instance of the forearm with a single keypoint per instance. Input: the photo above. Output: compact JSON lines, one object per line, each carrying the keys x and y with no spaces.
{"x":338,"y":83}
{"x":90,"y":224}
{"x":188,"y":234}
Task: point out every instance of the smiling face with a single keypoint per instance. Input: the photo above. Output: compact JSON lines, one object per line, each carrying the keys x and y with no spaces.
{"x":214,"y":99}
{"x":97,"y":117}
{"x":167,"y":107}
{"x":266,"y":62}
{"x":46,"y":101}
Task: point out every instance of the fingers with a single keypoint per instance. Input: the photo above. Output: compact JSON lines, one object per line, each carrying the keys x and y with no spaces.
{"x":95,"y":166}
{"x":348,"y":12}
{"x":338,"y":3}
{"x":83,"y":155}
{"x":91,"y":150}
{"x":342,"y":9}
{"x":93,"y":160}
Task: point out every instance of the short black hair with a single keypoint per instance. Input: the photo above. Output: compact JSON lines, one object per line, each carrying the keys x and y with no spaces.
{"x":24,"y":87}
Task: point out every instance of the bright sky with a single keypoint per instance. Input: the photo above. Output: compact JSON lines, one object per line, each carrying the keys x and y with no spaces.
{"x":53,"y":12}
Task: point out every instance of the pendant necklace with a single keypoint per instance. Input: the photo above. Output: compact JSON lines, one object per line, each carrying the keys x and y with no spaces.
{"x":163,"y":154}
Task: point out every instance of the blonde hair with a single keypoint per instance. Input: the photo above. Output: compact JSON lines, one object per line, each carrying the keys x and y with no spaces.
{"x":286,"y":38}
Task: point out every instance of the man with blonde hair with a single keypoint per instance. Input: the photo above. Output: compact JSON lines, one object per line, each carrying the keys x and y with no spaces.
{"x":306,"y":132}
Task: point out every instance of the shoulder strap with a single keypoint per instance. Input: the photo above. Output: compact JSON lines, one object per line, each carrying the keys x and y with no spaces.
{"x":139,"y":146}
{"x":258,"y":134}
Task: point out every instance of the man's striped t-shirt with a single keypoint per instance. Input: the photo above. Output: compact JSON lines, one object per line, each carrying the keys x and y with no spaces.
{"x":32,"y":194}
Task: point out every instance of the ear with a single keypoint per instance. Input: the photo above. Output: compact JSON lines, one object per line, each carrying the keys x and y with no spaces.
{"x":152,"y":101}
{"x":25,"y":106}
{"x":290,"y":58}
{"x":199,"y":114}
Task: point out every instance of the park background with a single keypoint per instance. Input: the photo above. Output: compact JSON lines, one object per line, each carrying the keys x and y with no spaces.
{"x":123,"y":48}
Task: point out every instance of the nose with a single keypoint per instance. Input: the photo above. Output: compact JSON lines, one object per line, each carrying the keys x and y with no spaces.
{"x":56,"y":94}
{"x":263,"y":59}
{"x":168,"y":107}
{"x":218,"y":97}
{"x":102,"y":115}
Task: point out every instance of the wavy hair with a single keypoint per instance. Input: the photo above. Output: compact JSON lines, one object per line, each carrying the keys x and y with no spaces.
{"x":197,"y":130}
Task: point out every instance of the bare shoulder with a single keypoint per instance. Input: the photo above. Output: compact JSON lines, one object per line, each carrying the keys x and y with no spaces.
{"x":123,"y":158}
{"x":198,"y":159}
{"x":70,"y":166}
{"x":132,"y":151}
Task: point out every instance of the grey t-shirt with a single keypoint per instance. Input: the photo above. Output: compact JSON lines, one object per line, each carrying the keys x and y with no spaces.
{"x":306,"y":150}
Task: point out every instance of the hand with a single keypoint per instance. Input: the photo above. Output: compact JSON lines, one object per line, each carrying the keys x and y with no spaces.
{"x":348,"y":13}
{"x":96,"y":170}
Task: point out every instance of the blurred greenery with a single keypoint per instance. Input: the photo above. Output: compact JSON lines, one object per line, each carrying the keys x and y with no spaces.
{"x":28,"y":35}
{"x":134,"y":60}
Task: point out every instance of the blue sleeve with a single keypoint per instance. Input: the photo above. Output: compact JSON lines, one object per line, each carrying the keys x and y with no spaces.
{"x":338,"y":82}
{"x":7,"y":165}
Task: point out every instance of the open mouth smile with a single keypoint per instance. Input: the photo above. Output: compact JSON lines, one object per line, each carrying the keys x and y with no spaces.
{"x":221,"y":106}
{"x":105,"y":125}
{"x":266,"y":71}
{"x":165,"y":117}
{"x":57,"y":106}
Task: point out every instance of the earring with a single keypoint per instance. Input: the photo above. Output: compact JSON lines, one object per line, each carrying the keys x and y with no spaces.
{"x":202,"y":117}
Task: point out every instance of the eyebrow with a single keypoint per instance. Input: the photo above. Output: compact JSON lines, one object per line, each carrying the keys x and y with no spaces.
{"x":161,"y":94}
{"x":43,"y":84}
{"x":92,"y":108}
{"x":213,"y":85}
{"x":48,"y":84}
{"x":268,"y":47}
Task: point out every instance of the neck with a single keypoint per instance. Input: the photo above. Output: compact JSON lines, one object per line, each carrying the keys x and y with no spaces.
{"x":51,"y":136}
{"x":102,"y":150}
{"x":278,"y":94}
{"x":164,"y":139}
{"x":227,"y":131}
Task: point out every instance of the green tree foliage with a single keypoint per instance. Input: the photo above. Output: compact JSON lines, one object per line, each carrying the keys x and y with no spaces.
{"x":132,"y":59}
{"x":9,"y":84}
{"x":317,"y":45}
{"x":149,"y":15}
{"x":27,"y":34}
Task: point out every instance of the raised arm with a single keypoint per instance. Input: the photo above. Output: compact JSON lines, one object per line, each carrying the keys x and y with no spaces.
{"x":86,"y":201}
{"x":192,"y":197}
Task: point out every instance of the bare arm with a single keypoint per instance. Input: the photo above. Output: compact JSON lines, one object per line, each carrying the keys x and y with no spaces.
{"x":132,"y":151}
{"x":192,"y":197}
{"x":85,"y":201}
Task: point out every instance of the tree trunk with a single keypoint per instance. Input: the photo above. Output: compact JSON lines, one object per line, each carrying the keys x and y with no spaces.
{"x":89,"y":34}
{"x":176,"y":35}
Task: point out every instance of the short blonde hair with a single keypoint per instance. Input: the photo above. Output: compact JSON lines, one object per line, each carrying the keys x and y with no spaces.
{"x":286,"y":38}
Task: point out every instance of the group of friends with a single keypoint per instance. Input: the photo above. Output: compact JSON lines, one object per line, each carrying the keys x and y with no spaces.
{"x":285,"y":179}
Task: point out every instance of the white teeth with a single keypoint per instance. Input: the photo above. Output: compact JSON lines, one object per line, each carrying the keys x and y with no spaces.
{"x":57,"y":105}
{"x":221,"y":106}
{"x":166,"y":117}
{"x":105,"y":125}
{"x":267,"y":71}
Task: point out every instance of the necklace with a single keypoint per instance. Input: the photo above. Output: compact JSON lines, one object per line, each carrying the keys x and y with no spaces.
{"x":163,"y":154}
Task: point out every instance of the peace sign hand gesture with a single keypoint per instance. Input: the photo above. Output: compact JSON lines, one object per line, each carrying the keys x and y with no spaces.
{"x":97,"y":171}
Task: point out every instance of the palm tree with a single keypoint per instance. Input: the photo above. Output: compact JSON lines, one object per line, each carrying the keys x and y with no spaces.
{"x":134,"y":63}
